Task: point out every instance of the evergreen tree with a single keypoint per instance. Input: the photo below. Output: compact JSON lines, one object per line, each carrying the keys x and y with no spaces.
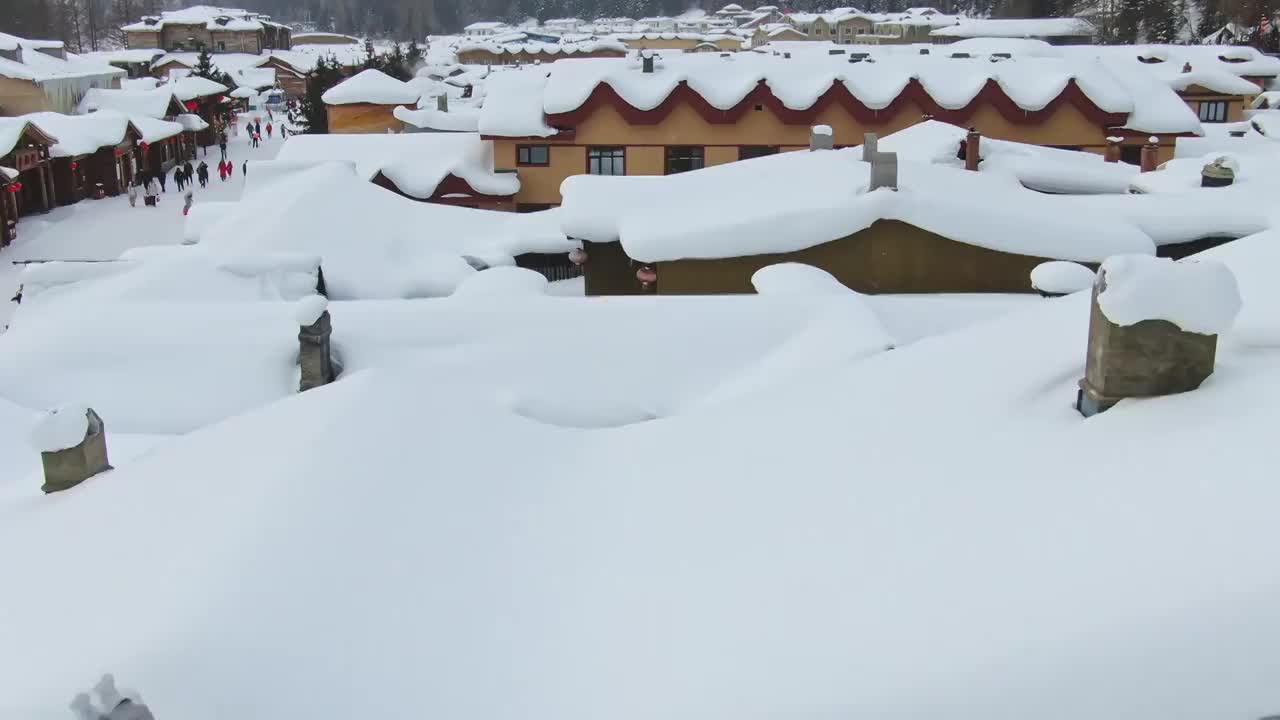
{"x":326,"y":74}
{"x":413,"y":55}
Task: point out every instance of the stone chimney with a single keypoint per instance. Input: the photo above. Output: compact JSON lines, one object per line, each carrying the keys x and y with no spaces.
{"x":1148,"y":159}
{"x":315,"y":356}
{"x":1151,"y":357}
{"x":972,"y":149}
{"x":442,"y":102}
{"x":820,"y":138}
{"x":1219,"y":173}
{"x":884,"y":166}
{"x":67,"y":467}
{"x":1112,"y":153}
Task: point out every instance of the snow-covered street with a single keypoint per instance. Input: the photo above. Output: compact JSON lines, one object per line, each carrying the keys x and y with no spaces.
{"x":102,"y":229}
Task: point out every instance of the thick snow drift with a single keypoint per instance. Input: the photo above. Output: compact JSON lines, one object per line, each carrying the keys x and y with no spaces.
{"x":1197,"y":296}
{"x":1061,"y":278}
{"x":61,"y":428}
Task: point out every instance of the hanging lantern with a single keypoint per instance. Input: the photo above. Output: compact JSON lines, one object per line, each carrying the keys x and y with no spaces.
{"x":578,"y":257}
{"x":74,"y":164}
{"x":646,"y":275}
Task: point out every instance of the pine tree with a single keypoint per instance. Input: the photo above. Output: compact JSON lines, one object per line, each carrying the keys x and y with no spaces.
{"x":413,"y":55}
{"x":325,"y":75}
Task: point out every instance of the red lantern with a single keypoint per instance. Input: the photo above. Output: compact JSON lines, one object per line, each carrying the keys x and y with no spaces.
{"x":145,"y":146}
{"x":578,"y":257}
{"x":647,"y":275}
{"x":74,"y":164}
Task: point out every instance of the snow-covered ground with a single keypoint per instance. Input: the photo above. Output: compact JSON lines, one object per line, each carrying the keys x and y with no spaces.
{"x":102,"y":229}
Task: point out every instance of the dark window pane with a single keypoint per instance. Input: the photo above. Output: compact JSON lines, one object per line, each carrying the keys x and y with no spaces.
{"x":683,"y":159}
{"x":747,"y":152}
{"x":532,"y":155}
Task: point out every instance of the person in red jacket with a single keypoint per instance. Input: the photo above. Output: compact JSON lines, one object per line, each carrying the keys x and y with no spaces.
{"x":222,"y":170}
{"x":268,"y":131}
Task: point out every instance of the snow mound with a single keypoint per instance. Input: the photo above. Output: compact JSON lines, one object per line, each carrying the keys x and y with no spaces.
{"x":309,"y":309}
{"x":796,"y":279}
{"x":1060,"y":277}
{"x":1197,"y":296}
{"x":502,"y":282}
{"x":371,"y":86}
{"x":61,"y":428}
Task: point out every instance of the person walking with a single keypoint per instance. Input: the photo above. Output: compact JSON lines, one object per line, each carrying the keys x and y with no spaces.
{"x":186,"y":201}
{"x":268,"y":130}
{"x":188,"y":171}
{"x":284,"y":132}
{"x":222,"y":171}
{"x":149,"y":191}
{"x":202,"y":174}
{"x":257,"y":127}
{"x":161,"y":176}
{"x":179,"y":177}
{"x":244,"y":169}
{"x":133,"y":193}
{"x":222,"y":145}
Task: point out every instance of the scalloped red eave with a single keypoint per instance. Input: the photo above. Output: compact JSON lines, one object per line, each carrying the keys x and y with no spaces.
{"x":991,"y":94}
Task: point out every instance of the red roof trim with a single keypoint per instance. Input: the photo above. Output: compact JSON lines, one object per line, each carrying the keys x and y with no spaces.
{"x":991,"y":94}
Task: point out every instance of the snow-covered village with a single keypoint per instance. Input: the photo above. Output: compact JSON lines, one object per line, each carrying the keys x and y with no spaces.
{"x":773,"y":362}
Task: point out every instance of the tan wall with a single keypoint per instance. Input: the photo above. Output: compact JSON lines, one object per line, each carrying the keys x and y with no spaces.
{"x":1235,"y":104}
{"x":236,"y":41}
{"x":726,"y":44}
{"x":19,"y":97}
{"x":362,"y":118}
{"x":645,"y":144}
{"x":143,"y":40}
{"x":888,"y":257}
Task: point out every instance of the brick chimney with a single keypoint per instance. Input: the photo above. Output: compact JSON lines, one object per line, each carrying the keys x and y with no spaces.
{"x":1148,"y":160}
{"x":315,"y":356}
{"x":1112,"y":153}
{"x":67,"y":467}
{"x":820,"y":138}
{"x":1147,"y":358}
{"x":972,"y":149}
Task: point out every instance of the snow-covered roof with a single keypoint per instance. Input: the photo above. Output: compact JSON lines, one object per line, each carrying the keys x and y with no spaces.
{"x":1036,"y":167}
{"x":155,"y":103}
{"x":513,"y":103}
{"x":371,"y":86}
{"x":1017,"y":28}
{"x":822,"y":196}
{"x":81,"y":134}
{"x":486,"y":25}
{"x":1237,"y":60}
{"x":458,"y":118}
{"x":34,"y":64}
{"x":11,"y":132}
{"x":736,"y":533}
{"x":222,"y":62}
{"x":212,"y":18}
{"x":126,"y":56}
{"x":154,"y":130}
{"x":257,"y":78}
{"x":193,"y":87}
{"x":394,"y":258}
{"x":544,"y":48}
{"x":1138,"y":99}
{"x":415,"y":162}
